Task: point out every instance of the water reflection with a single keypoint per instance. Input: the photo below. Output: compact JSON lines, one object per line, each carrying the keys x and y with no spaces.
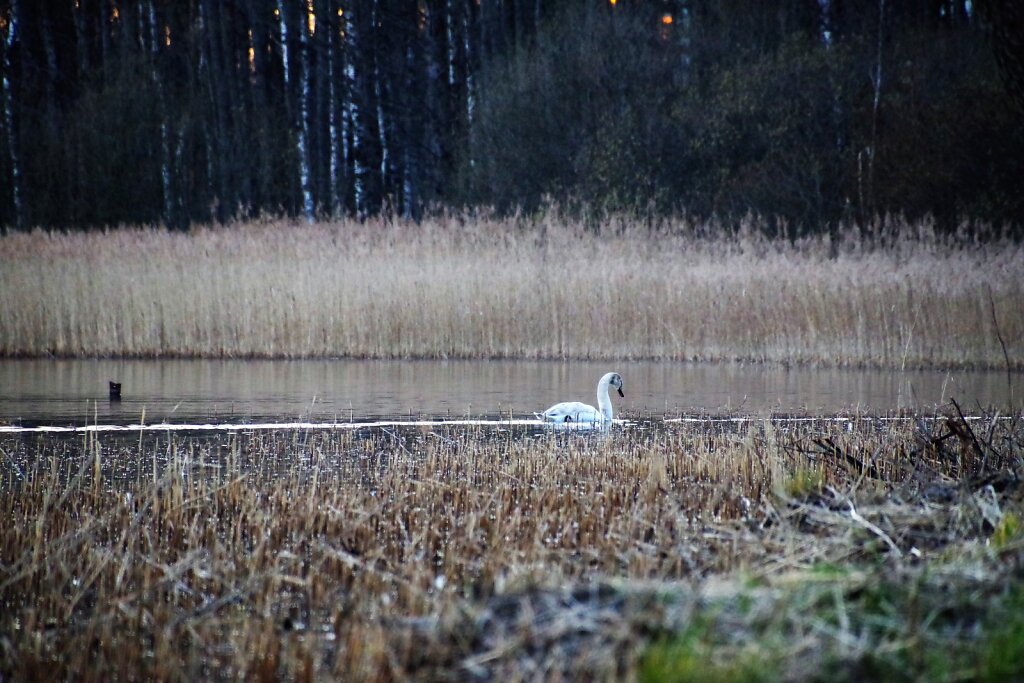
{"x":74,"y":392}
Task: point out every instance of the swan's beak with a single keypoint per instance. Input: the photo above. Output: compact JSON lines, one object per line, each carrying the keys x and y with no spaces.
{"x":620,"y":393}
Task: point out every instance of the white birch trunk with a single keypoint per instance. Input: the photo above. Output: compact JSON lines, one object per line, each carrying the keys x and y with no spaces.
{"x":410,"y":168}
{"x":165,"y":140}
{"x":302,"y":143}
{"x":353,"y":115}
{"x":212,"y":173}
{"x":283,"y":27}
{"x":450,"y":43}
{"x":332,"y":121}
{"x":381,"y":128}
{"x":470,"y":87}
{"x":378,"y":93}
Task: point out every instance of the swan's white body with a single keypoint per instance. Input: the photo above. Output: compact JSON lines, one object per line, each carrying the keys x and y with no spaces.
{"x":576,"y":412}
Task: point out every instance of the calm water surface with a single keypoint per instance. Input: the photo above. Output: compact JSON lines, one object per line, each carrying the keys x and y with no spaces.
{"x":70,"y":392}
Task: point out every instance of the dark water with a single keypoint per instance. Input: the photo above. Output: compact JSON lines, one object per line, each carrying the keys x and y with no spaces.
{"x":74,"y":392}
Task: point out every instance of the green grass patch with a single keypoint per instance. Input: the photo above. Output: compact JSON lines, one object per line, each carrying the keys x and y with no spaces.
{"x":1007,"y":531}
{"x":1002,"y":657}
{"x":803,"y":483}
{"x":937,"y":624}
{"x":696,"y":655}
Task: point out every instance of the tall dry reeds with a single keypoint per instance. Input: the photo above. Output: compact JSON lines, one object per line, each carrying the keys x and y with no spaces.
{"x":482,"y":288}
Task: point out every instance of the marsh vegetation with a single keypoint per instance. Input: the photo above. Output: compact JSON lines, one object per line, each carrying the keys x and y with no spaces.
{"x":665,"y":550}
{"x":893,"y":295}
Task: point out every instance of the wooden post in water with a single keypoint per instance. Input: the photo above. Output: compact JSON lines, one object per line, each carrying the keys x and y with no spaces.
{"x":115,"y":391}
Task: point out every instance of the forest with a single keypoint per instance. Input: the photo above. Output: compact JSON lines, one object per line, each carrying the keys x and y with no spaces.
{"x":810,"y":113}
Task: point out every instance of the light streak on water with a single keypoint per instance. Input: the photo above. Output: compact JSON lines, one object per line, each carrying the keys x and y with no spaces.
{"x":269,"y":426}
{"x":507,"y":422}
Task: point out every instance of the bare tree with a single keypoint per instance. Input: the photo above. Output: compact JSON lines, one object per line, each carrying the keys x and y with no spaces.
{"x":10,"y":43}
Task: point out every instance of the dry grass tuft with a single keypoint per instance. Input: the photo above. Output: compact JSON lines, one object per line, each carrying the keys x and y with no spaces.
{"x":456,"y":553}
{"x":482,"y":288}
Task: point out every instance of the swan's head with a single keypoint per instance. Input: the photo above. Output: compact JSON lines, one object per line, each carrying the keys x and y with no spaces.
{"x":614,"y":379}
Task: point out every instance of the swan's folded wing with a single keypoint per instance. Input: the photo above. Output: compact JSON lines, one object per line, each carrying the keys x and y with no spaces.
{"x":572,"y":411}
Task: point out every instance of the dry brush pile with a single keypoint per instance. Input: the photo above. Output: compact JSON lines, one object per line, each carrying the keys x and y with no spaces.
{"x":451,"y":553}
{"x":900,"y":296}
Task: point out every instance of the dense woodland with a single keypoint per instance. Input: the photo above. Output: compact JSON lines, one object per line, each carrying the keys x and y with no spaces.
{"x":812,"y":112}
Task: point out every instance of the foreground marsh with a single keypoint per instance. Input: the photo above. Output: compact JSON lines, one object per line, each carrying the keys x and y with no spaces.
{"x":794,"y":549}
{"x":481,"y":288}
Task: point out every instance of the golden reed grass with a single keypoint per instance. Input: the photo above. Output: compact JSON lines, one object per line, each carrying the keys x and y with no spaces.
{"x":484,"y":288}
{"x":451,"y":553}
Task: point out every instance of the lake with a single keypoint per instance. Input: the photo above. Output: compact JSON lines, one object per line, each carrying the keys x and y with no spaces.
{"x":74,"y":392}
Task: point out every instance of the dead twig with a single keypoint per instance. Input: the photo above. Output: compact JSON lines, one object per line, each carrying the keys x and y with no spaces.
{"x":999,"y":336}
{"x":865,"y":523}
{"x":853,"y":462}
{"x":966,"y":434}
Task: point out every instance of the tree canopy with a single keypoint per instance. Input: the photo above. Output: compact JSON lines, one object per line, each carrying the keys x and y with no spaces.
{"x":809,"y":112}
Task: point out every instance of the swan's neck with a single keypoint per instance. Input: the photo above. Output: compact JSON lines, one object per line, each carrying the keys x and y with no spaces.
{"x":604,"y":404}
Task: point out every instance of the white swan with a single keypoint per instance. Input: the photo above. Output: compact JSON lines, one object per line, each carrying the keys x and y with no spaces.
{"x":574,"y":411}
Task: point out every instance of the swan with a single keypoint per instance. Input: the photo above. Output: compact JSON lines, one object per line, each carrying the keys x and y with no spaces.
{"x":574,"y":411}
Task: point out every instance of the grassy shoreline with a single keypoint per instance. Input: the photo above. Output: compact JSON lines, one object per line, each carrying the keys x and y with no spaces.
{"x":800,"y":551}
{"x":482,"y":288}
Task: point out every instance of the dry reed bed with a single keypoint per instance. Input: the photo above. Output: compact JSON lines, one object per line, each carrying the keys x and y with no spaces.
{"x":447,"y":554}
{"x":482,"y":288}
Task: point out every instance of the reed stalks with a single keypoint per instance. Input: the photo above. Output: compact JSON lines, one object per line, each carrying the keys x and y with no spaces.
{"x":451,"y":553}
{"x":453,"y":287}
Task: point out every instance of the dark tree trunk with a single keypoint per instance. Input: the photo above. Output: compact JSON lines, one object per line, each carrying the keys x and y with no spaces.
{"x":9,"y":86}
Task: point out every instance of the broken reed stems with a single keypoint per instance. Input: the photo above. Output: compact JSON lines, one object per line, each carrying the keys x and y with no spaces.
{"x":483,"y":288}
{"x":374,"y":556}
